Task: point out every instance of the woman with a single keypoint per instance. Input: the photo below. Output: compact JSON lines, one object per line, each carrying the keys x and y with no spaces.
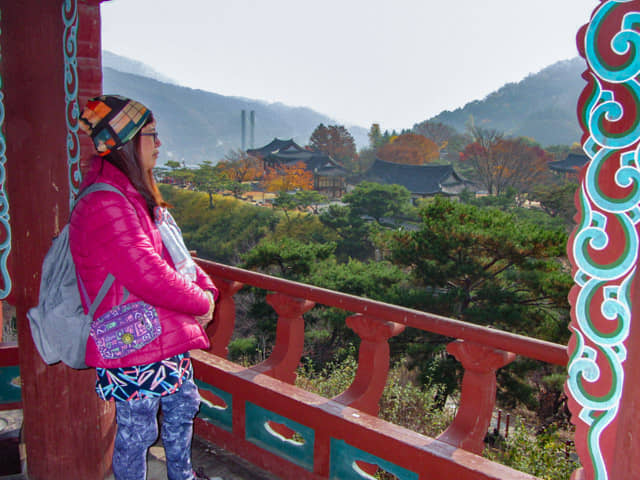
{"x":117,"y":235}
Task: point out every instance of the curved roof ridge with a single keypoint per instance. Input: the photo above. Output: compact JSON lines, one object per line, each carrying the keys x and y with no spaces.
{"x":418,"y":179}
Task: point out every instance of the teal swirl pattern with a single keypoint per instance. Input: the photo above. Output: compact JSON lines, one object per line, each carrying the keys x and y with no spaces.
{"x":5,"y":243}
{"x":623,"y":43}
{"x":605,"y":245}
{"x":70,"y":43}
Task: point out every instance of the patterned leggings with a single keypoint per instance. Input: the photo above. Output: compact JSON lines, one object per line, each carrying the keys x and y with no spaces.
{"x":138,"y":430}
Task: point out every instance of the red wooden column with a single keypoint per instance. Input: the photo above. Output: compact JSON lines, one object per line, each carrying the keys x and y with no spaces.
{"x":67,"y":430}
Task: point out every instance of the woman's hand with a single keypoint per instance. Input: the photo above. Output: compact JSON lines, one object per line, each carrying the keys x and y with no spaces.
{"x":204,"y":320}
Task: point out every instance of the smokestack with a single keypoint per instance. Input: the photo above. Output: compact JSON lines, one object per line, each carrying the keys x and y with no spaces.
{"x":252,"y":127}
{"x":243,"y":123}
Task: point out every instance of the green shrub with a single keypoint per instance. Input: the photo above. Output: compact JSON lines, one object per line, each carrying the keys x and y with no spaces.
{"x":543,"y":455}
{"x":403,"y":402}
{"x":243,"y":349}
{"x":413,"y":406}
{"x":332,"y":380}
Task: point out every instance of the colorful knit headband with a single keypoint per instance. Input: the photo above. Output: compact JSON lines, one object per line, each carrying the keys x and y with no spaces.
{"x":112,"y":120}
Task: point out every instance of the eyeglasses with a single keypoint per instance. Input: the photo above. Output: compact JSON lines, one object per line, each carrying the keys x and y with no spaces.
{"x":150,"y":134}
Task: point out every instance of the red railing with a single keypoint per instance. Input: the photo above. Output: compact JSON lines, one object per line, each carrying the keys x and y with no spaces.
{"x":286,"y":410}
{"x":259,"y":414}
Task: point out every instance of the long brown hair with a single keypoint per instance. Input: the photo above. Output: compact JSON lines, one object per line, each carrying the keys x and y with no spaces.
{"x":126,"y":160}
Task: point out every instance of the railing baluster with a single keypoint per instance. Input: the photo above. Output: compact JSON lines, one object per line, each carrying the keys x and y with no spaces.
{"x":285,"y":357}
{"x":373,"y":362}
{"x":478,"y":393}
{"x":373,"y":367}
{"x":224,"y":320}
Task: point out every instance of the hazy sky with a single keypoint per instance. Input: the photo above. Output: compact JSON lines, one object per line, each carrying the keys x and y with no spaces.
{"x":390,"y":62}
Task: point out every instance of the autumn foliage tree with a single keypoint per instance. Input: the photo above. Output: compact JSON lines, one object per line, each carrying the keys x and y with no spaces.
{"x":238,"y":166}
{"x":410,"y":149}
{"x":436,"y":131}
{"x":500,"y":163}
{"x":335,"y":141}
{"x":446,"y":137}
{"x":287,"y":177}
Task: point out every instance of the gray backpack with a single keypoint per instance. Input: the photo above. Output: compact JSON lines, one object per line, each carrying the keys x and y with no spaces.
{"x":59,"y":326}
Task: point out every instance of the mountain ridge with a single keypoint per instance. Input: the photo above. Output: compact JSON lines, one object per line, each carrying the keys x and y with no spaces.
{"x":136,"y":67}
{"x":542,"y":106}
{"x":196,"y":125}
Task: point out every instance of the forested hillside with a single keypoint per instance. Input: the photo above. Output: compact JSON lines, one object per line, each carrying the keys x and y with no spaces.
{"x":542,"y":106}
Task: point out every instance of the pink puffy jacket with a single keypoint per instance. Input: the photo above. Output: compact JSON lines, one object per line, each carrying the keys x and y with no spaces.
{"x":110,"y":234}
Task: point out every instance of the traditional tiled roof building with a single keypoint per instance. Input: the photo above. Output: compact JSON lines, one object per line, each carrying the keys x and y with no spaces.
{"x":329,"y":177}
{"x":420,"y":180}
{"x":572,"y":164}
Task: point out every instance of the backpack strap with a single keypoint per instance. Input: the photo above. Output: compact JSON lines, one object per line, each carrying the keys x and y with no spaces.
{"x":108,"y":281}
{"x":96,"y":187}
{"x":106,"y":285}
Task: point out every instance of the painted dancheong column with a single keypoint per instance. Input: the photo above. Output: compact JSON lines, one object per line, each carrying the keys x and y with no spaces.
{"x":603,"y":249}
{"x":5,"y":228}
{"x":72,"y":111}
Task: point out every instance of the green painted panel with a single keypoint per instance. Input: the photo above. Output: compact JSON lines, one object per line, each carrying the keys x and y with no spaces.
{"x":298,"y":450}
{"x":10,"y":390}
{"x":220,"y":416}
{"x":343,"y":467}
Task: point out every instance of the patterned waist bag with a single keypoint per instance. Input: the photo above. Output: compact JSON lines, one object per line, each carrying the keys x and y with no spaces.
{"x":125,"y":329}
